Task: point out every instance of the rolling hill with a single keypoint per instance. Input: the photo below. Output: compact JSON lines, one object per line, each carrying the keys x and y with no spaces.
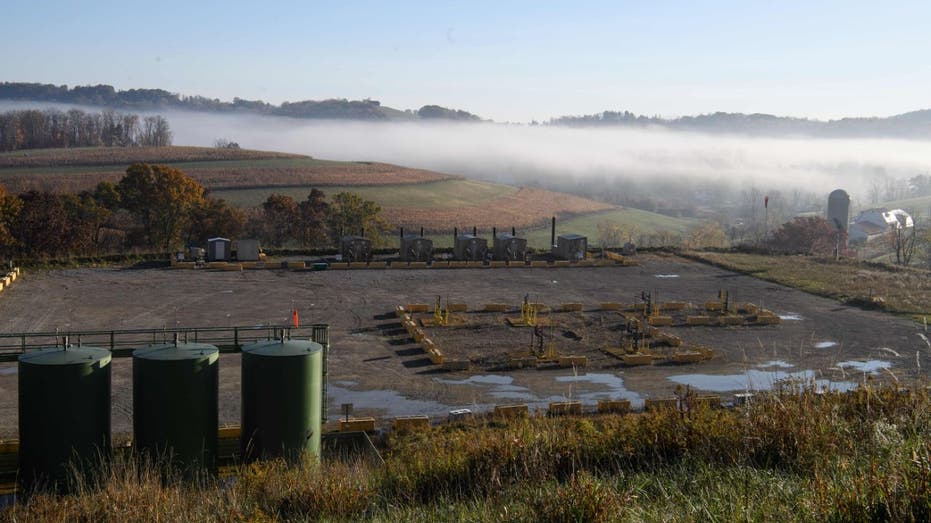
{"x":410,"y":198}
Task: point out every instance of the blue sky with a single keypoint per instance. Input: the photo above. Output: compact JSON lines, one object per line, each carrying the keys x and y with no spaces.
{"x":504,"y":60}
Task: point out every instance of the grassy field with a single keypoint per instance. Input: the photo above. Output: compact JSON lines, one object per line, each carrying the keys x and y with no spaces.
{"x":859,"y":456}
{"x":899,"y":290}
{"x":449,"y":193}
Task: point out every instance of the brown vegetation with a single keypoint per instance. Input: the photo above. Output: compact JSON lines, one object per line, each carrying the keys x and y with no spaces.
{"x":527,"y":207}
{"x":121,"y":157}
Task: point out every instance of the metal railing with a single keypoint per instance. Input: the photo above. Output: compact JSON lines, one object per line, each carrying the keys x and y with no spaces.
{"x":122,"y":342}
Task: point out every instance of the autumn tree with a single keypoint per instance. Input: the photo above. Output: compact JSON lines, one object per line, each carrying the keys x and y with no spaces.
{"x":806,"y":235}
{"x":162,"y":199}
{"x":313,"y":219}
{"x":281,"y":216}
{"x":214,"y":217}
{"x":9,"y":210}
{"x":352,"y":214}
{"x":706,"y":234}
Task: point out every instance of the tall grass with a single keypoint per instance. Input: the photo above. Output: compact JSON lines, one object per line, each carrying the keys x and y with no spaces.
{"x":864,"y":455}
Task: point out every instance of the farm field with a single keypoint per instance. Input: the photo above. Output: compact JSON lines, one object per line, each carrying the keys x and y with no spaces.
{"x":410,"y":198}
{"x":375,"y":366}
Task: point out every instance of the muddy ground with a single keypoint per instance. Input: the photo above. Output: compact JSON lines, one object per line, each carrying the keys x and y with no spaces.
{"x":383,"y":373}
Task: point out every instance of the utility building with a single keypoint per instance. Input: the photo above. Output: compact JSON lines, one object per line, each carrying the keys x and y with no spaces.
{"x":416,"y":248}
{"x":510,"y":248}
{"x":469,"y":247}
{"x":570,"y":247}
{"x":218,"y":249}
{"x":247,"y":250}
{"x":355,"y":248}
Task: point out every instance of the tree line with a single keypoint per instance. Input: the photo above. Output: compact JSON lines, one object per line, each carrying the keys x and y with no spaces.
{"x":51,"y":128}
{"x":157,"y":208}
{"x":145,"y":99}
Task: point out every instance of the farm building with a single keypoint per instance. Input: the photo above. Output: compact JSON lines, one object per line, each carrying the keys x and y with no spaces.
{"x":248,"y":250}
{"x":470,"y":248}
{"x":218,"y":249}
{"x":570,"y":247}
{"x":873,"y":223}
{"x":510,"y":248}
{"x":355,"y":248}
{"x":416,"y":248}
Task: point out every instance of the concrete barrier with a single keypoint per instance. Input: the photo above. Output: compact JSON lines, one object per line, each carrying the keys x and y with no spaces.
{"x":457,"y":307}
{"x":634,"y":360}
{"x":672,"y":306}
{"x":301,"y":265}
{"x":570,"y":307}
{"x":561,"y":263}
{"x":565,"y":408}
{"x":410,"y":424}
{"x":613,"y":406}
{"x":508,"y":412}
{"x":417,"y":307}
{"x":688,"y":357}
{"x":660,"y":321}
{"x":699,"y":320}
{"x":585,"y":263}
{"x":713,"y":306}
{"x":497,"y":264}
{"x":216,"y":264}
{"x":184,"y":265}
{"x":357,"y":425}
{"x":417,"y":265}
{"x":573,"y":361}
{"x":338,"y":266}
{"x":539,"y":263}
{"x":457,"y":265}
{"x":233,"y":267}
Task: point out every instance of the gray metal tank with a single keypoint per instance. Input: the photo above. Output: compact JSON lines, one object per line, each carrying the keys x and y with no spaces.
{"x":64,"y":415}
{"x":175,"y":420}
{"x":838,"y":209}
{"x":282,"y":390}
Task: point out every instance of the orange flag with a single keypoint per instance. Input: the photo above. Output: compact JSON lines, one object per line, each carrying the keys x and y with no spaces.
{"x":294,"y":318}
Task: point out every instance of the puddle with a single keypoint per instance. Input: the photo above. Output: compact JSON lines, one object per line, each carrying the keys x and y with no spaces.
{"x":587,"y":388}
{"x":758,"y":380}
{"x":776,"y":363}
{"x":871,"y":366}
{"x":825,"y":344}
{"x":790,"y":316}
{"x":666,"y":275}
{"x":9,"y":371}
{"x":614,"y":384}
{"x":390,"y":402}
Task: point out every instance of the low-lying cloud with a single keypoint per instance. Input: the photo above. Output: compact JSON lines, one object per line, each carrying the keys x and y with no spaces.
{"x":567,"y":156}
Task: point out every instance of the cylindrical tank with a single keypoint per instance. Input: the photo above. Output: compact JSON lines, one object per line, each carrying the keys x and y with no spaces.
{"x":64,"y":415}
{"x":175,"y":388}
{"x":838,"y":209}
{"x":281,"y":399}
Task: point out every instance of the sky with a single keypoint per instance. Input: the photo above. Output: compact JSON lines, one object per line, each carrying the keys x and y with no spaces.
{"x":508,"y":61}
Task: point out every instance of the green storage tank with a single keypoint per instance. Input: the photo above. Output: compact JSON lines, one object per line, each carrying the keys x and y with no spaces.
{"x":282,"y":389}
{"x":64,"y":415}
{"x":175,"y":388}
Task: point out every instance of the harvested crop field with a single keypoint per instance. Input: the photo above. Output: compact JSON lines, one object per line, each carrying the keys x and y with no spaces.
{"x":383,"y":372}
{"x":526,"y":207}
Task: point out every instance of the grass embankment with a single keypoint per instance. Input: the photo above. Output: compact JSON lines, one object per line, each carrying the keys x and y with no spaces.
{"x":865,"y":455}
{"x":901,"y":290}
